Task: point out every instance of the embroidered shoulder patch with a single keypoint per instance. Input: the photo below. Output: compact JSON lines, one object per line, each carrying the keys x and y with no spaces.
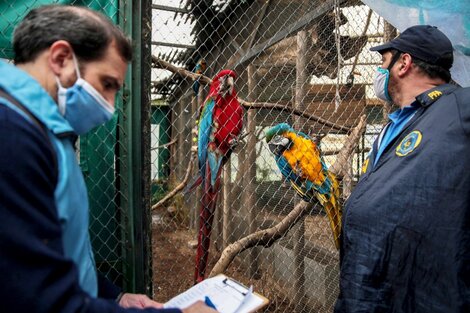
{"x":409,"y":143}
{"x":365,"y":165}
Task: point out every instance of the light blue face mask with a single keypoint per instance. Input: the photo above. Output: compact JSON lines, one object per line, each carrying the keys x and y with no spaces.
{"x":82,"y":105}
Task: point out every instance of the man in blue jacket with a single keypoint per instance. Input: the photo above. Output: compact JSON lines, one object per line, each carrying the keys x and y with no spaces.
{"x":406,"y":226}
{"x":70,"y":63}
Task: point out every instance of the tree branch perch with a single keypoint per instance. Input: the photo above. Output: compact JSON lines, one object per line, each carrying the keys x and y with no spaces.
{"x":246,"y":104}
{"x":264,"y":237}
{"x":179,"y":187}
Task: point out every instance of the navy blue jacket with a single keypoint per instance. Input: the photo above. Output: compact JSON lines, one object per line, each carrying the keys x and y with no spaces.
{"x":406,"y":226}
{"x":35,"y":274}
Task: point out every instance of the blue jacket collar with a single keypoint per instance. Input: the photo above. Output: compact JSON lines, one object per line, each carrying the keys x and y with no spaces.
{"x":30,"y":93}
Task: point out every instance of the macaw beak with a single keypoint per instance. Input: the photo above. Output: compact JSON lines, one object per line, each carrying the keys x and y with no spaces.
{"x":226,"y":85}
{"x":279,"y":144}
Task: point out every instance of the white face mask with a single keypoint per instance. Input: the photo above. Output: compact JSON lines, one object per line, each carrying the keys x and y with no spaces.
{"x":382,"y":77}
{"x":82,"y":105}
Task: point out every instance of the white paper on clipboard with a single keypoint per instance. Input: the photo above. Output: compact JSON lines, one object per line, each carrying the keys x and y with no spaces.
{"x":228,"y":296}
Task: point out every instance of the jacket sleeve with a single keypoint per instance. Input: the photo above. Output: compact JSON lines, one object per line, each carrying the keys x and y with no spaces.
{"x":36,"y":277}
{"x":106,"y":288}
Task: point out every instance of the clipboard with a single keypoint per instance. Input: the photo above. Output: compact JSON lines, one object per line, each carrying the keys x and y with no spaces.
{"x":227,"y":294}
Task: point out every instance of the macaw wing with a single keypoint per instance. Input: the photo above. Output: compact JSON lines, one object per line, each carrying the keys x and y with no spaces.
{"x":288,"y":173}
{"x":215,"y":164}
{"x":204,"y":132}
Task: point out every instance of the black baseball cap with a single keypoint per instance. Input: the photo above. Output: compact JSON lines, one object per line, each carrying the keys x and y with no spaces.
{"x":424,"y":42}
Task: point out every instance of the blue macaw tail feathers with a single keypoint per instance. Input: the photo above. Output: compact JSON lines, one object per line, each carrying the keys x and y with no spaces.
{"x":196,"y":86}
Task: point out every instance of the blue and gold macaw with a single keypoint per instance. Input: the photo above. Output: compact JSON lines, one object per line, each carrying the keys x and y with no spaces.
{"x":199,"y":69}
{"x":301,"y":163}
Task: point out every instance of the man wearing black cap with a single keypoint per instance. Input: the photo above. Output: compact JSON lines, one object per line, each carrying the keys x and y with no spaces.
{"x":406,"y":226}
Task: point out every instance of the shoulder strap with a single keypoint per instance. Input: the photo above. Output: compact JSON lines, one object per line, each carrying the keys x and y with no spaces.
{"x":33,"y":118}
{"x":15,"y":102}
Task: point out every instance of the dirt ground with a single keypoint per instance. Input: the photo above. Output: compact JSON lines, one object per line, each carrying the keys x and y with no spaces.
{"x":173,"y":267}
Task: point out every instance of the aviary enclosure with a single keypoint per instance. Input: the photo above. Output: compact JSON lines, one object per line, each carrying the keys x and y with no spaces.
{"x":305,"y":63}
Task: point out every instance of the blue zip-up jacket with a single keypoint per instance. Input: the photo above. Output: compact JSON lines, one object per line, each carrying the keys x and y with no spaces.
{"x":406,"y":226}
{"x":70,"y":194}
{"x":46,"y":261}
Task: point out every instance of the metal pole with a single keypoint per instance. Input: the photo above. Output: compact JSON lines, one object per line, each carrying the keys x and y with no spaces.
{"x":136,"y":22}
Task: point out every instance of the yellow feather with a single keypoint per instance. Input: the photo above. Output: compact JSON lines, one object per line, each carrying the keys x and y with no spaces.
{"x":304,"y":158}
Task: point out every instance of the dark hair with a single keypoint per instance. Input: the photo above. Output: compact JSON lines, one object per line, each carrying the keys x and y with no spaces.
{"x":432,"y":70}
{"x":88,"y":32}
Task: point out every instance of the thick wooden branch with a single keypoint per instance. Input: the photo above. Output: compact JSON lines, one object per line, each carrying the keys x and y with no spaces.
{"x":166,"y":145}
{"x":341,"y":166}
{"x":180,"y":185}
{"x":275,"y":106}
{"x":264,"y":238}
{"x":246,"y":104}
{"x":181,"y":71}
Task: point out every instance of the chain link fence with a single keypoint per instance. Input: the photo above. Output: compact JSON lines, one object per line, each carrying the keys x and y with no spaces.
{"x":118,"y":195}
{"x":304,"y":62}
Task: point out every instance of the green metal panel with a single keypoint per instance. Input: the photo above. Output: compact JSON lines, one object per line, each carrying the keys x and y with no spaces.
{"x":160,"y":116}
{"x":136,"y":163}
{"x":12,"y":13}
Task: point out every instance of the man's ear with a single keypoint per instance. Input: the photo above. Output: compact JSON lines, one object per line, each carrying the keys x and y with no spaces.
{"x":60,"y":58}
{"x":405,"y":63}
{"x":61,"y":62}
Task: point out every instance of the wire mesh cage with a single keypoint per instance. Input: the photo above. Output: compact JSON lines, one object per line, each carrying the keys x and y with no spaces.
{"x":306,"y":63}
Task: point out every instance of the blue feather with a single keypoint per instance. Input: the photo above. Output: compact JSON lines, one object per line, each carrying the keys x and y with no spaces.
{"x":205,"y":128}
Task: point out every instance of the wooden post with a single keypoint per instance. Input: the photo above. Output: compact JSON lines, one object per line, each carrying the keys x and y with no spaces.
{"x":250,"y":183}
{"x":226,"y":229}
{"x":193,"y":217}
{"x":298,"y":235}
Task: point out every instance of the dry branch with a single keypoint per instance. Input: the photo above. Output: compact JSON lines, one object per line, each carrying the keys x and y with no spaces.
{"x":179,"y":187}
{"x":264,"y":238}
{"x":275,"y":106}
{"x":166,"y":145}
{"x":248,"y":105}
{"x":181,"y":71}
{"x":341,"y":166}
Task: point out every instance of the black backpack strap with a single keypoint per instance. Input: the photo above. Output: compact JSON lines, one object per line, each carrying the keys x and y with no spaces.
{"x":33,"y":118}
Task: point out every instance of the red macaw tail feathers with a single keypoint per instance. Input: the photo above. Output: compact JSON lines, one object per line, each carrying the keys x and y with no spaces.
{"x":208,"y":204}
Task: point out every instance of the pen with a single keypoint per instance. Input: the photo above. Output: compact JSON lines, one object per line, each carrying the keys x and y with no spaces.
{"x":209,"y":303}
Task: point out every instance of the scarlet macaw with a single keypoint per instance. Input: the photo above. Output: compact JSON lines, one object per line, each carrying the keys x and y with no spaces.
{"x":301,"y":163}
{"x":220,"y":124}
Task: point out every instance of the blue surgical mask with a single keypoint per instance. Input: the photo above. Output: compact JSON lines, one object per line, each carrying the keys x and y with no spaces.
{"x":382,"y":76}
{"x":82,"y":105}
